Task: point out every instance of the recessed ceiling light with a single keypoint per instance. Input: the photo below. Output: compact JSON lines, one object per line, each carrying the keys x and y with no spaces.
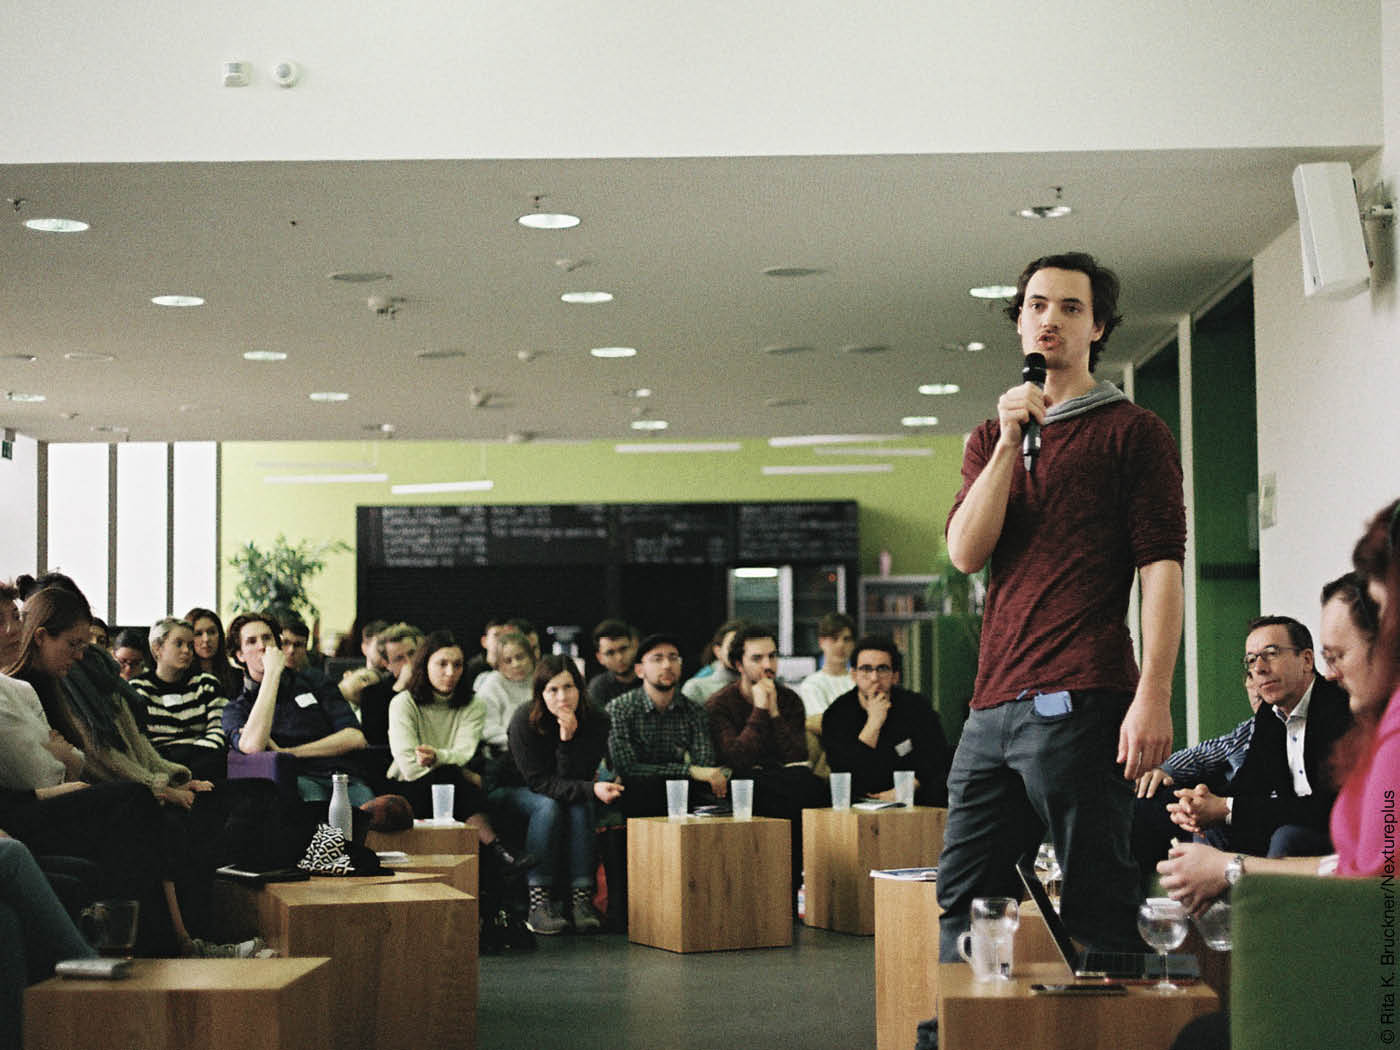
{"x":1045,"y":211}
{"x":993,"y":291}
{"x":974,"y":346}
{"x":359,"y":276}
{"x":548,"y":220}
{"x":264,"y":355}
{"x":177,"y":300}
{"x":870,"y":349}
{"x":23,"y":398}
{"x":779,"y":351}
{"x":328,"y":396}
{"x":109,"y":428}
{"x":26,"y":358}
{"x":638,"y":392}
{"x":786,"y":402}
{"x":88,"y":355}
{"x":381,"y":428}
{"x":439,"y":355}
{"x":56,"y":225}
{"x":792,"y":271}
{"x":587,"y":297}
{"x":191,"y":406}
{"x":920,"y":421}
{"x":649,"y":424}
{"x":614,"y":351}
{"x":934,"y":389}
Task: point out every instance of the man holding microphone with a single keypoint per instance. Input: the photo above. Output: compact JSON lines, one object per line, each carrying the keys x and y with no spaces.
{"x":1061,"y":722}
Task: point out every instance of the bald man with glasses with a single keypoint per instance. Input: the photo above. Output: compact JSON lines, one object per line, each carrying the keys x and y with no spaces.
{"x":877,"y":728}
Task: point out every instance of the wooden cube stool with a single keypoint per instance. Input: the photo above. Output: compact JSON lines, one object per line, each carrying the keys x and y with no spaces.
{"x":709,"y":883}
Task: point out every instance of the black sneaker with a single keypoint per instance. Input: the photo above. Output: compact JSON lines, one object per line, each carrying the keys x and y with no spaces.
{"x":507,"y":863}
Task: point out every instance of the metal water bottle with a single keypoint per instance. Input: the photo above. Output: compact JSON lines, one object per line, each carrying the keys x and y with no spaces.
{"x":339,"y":816}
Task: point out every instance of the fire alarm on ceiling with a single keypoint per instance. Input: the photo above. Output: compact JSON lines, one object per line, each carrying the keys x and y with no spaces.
{"x":236,"y":74}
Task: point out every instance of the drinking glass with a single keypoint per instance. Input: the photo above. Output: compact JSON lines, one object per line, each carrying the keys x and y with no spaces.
{"x":995,"y":919}
{"x":1163,"y":924}
{"x":1214,"y":924}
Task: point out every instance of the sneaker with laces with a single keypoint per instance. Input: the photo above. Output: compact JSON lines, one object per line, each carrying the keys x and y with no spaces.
{"x":586,"y":917}
{"x":198,"y":948}
{"x":545,"y":919}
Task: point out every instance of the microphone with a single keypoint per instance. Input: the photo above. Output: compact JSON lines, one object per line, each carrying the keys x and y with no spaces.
{"x":1032,"y":372}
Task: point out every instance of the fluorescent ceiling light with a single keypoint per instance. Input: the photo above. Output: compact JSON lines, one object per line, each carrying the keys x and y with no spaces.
{"x":88,"y":355}
{"x":548,"y":220}
{"x":264,"y":355}
{"x":359,"y":276}
{"x":1045,"y":211}
{"x":442,"y":486}
{"x":851,"y":450}
{"x":756,"y":574}
{"x":935,"y":389}
{"x":587,"y":297}
{"x":649,"y":424}
{"x":56,"y":225}
{"x":993,"y":291}
{"x":853,"y":468}
{"x":827,"y":439}
{"x":792,"y":271}
{"x":24,"y":399}
{"x":328,"y":396}
{"x":974,"y":346}
{"x":920,"y":421}
{"x":177,"y":300}
{"x":325,"y":479}
{"x":686,"y":446}
{"x":614,"y":351}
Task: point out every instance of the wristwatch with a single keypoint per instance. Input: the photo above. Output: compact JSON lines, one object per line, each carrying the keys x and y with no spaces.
{"x":1234,"y":869}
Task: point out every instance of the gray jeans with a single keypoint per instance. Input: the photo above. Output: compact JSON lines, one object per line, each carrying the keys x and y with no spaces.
{"x":1017,"y":773}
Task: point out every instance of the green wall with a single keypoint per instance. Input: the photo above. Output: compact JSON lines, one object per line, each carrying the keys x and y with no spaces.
{"x":1227,"y":472}
{"x":1157,"y":386}
{"x":901,"y":511}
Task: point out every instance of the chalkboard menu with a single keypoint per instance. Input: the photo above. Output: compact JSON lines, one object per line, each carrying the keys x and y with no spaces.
{"x":438,"y":536}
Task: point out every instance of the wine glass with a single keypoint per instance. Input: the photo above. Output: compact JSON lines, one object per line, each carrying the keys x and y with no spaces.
{"x":1163,"y":924}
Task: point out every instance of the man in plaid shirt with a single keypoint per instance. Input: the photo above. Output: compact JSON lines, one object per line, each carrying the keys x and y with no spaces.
{"x":1210,"y":762}
{"x":659,"y":735}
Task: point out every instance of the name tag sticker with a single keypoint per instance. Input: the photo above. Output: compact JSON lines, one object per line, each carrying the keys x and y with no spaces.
{"x":903,"y":747}
{"x":305,"y":700}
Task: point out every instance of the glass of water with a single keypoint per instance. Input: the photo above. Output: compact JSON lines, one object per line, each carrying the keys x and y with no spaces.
{"x":1163,"y":924}
{"x":994,"y":920}
{"x":1214,"y":924}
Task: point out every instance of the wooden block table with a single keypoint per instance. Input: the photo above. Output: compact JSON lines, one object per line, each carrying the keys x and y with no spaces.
{"x":709,"y":883}
{"x":174,"y":1004}
{"x":841,"y":847}
{"x":993,"y":1015}
{"x":458,"y":870}
{"x":426,"y":837}
{"x":906,"y":956}
{"x":403,"y":956}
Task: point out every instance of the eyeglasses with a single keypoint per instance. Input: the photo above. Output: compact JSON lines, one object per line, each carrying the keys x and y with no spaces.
{"x":1269,"y":653}
{"x":881,"y":669}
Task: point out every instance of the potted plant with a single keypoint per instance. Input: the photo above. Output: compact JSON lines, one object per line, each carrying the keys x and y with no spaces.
{"x":277,"y":580}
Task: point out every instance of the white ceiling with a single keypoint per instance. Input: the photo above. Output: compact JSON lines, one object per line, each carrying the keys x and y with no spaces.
{"x":682,"y":243}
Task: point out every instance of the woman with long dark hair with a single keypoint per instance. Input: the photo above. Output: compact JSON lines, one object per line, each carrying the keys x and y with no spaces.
{"x":209,"y":654}
{"x":557,"y":741}
{"x":435,"y":729}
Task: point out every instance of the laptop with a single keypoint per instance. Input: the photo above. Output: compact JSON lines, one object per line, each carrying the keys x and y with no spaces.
{"x":1118,"y":966}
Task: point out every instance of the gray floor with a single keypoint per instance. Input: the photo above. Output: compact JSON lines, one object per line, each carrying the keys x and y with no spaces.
{"x":582,"y":993}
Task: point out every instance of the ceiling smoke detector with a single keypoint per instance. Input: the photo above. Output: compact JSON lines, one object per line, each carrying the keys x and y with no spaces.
{"x":385,"y":305}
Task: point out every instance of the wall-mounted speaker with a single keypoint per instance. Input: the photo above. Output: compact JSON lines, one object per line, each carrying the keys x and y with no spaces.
{"x":1335,"y":264}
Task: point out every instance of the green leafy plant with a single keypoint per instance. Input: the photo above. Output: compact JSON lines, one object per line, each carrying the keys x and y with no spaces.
{"x":276,"y":580}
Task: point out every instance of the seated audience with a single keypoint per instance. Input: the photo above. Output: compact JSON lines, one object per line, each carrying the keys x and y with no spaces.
{"x":715,"y":672}
{"x":183,"y":711}
{"x":1277,"y":802}
{"x":434,"y":731}
{"x":35,"y":934}
{"x":657,"y":734}
{"x":485,"y":660}
{"x":558,"y":742}
{"x":395,"y":644}
{"x":369,"y":644}
{"x":274,"y":713}
{"x":211,"y":652}
{"x":836,"y":634}
{"x":129,"y":650}
{"x":877,"y":728}
{"x":1362,"y":650}
{"x":760,"y":733}
{"x":100,"y":636}
{"x":615,"y":644}
{"x":502,"y":691}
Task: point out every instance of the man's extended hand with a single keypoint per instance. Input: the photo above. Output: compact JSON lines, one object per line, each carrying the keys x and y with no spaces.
{"x":1145,"y":737}
{"x":1150,"y":781}
{"x":714,"y":776}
